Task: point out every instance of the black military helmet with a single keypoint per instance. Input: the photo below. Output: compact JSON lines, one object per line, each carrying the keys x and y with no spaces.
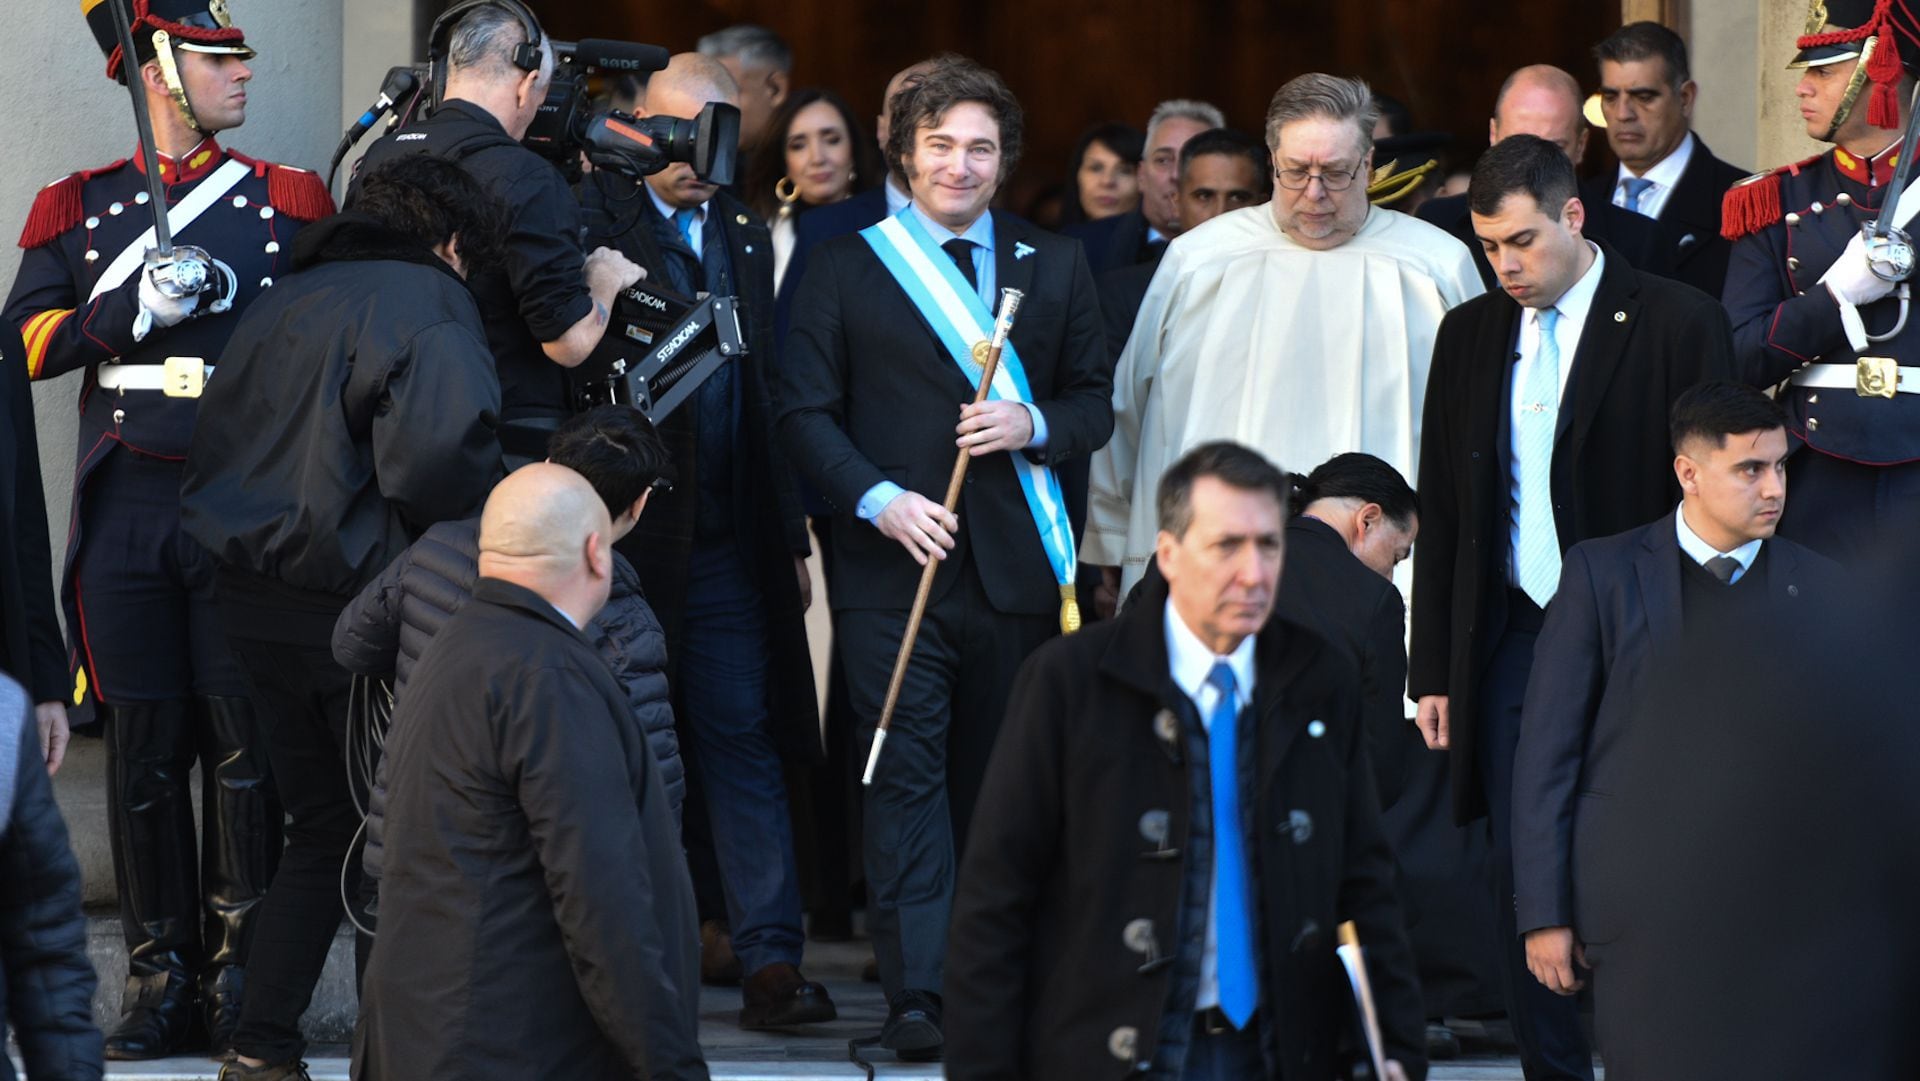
{"x":202,"y":26}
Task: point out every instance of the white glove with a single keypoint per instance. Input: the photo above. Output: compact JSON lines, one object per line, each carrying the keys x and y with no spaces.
{"x":1851,"y":279}
{"x":157,"y":308}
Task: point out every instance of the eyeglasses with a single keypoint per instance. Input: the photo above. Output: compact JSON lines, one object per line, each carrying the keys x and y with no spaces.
{"x":1330,"y":179}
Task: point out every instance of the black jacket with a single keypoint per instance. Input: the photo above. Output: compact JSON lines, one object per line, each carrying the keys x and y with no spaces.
{"x":1325,"y":587}
{"x":536,"y":919}
{"x":29,"y":633}
{"x":1068,"y":883}
{"x":1646,"y":340}
{"x":387,"y":627}
{"x":1115,"y":242}
{"x":355,"y":406}
{"x":769,"y":527}
{"x":46,"y":980}
{"x":1684,"y":242}
{"x":539,"y":293}
{"x":867,"y":393}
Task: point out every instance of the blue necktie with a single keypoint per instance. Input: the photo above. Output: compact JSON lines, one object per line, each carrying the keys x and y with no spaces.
{"x":1636,"y":187}
{"x":684,"y":220}
{"x":1233,"y":922}
{"x":1538,"y":560}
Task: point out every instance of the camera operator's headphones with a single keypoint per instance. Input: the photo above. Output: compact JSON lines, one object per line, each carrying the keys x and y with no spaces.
{"x":526,"y":55}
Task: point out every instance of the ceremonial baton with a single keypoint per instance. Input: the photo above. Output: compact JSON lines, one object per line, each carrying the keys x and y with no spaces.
{"x":1009,"y":305}
{"x":188,"y":275}
{"x":1356,"y":966}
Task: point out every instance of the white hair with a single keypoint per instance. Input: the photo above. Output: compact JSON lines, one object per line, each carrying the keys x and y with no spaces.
{"x":1203,"y":113}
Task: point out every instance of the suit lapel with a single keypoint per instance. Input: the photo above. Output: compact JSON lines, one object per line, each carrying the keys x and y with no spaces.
{"x":1603,"y":341}
{"x":1692,"y":213}
{"x":1782,"y":571}
{"x":1011,"y":269}
{"x":1657,"y":565}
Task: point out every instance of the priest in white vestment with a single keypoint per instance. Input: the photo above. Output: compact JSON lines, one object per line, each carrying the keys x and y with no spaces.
{"x":1302,"y":328}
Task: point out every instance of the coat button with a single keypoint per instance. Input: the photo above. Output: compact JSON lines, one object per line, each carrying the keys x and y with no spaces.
{"x":1843,"y":199}
{"x":1619,"y":317}
{"x":1813,"y":425}
{"x":740,"y":219}
{"x":142,"y":198}
{"x":1300,"y":825}
{"x":266,"y":213}
{"x":1793,"y":263}
{"x":119,"y":416}
{"x":1316,"y":729}
{"x":93,"y":223}
{"x":239,"y":202}
{"x":1154,"y":827}
{"x":1818,"y":209}
{"x":1166,"y":726}
{"x":1793,"y":219}
{"x":1139,"y":937}
{"x":117,"y":209}
{"x":92,"y":256}
{"x":1123,"y":1042}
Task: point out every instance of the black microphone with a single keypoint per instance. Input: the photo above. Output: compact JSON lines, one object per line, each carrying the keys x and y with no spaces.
{"x":605,"y":55}
{"x":399,"y":83}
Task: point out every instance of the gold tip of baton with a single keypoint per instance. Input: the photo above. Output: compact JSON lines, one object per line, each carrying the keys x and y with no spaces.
{"x":1069,"y":608}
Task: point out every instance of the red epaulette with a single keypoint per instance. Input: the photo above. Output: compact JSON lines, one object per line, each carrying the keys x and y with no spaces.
{"x":296,"y":193}
{"x":58,"y":207}
{"x":1754,"y":203}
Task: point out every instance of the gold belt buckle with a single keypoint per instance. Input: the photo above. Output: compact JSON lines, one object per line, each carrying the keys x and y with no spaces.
{"x":1876,"y":377}
{"x":183,"y":377}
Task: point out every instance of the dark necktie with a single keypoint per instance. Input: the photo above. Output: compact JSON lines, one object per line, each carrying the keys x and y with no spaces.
{"x":1723,"y":568}
{"x":962,"y":253}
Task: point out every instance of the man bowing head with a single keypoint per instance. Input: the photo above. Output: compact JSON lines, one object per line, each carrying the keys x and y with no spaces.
{"x":889,"y":328}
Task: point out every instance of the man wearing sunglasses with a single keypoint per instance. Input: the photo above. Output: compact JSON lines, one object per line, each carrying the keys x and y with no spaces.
{"x":1303,"y":327}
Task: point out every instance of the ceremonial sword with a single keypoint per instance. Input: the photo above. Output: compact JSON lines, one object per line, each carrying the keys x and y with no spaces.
{"x":186,"y":271}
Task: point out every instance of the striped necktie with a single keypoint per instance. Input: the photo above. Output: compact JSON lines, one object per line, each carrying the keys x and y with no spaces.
{"x":1537,"y":561}
{"x":1233,"y":919}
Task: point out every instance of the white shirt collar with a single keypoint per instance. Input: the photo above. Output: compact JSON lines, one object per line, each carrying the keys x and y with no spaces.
{"x":1700,"y":551}
{"x":980,"y":233}
{"x":1666,"y":172}
{"x":1578,"y":299}
{"x":1191,"y":661}
{"x":668,"y":210}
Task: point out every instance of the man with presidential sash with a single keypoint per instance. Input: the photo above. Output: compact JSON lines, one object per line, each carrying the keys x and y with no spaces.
{"x":889,"y":329}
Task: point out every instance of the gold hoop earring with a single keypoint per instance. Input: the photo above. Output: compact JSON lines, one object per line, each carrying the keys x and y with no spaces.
{"x":789,"y":194}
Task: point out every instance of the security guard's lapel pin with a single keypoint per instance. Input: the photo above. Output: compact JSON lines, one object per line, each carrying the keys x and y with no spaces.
{"x":1021,"y":250}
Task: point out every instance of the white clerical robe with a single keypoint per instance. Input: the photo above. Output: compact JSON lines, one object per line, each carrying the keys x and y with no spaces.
{"x":1300,"y":354}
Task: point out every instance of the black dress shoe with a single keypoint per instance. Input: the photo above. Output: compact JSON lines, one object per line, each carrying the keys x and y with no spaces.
{"x":777,"y":996}
{"x":912,"y":1031}
{"x":156,"y":1016}
{"x":221,"y":992}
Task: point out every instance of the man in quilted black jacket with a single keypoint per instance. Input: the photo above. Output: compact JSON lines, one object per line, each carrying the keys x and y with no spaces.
{"x":384,"y":630}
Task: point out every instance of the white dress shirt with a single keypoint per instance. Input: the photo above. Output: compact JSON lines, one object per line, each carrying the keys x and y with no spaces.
{"x":698,"y":230}
{"x":1573,"y":305}
{"x":1665,"y":174}
{"x":1700,"y":551}
{"x":1191,"y":662}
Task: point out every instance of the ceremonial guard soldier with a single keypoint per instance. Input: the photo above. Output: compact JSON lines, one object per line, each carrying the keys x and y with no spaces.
{"x":1819,"y":295}
{"x":101,"y":289}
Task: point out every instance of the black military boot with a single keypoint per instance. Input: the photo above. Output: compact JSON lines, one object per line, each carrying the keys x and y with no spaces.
{"x":240,"y":829}
{"x":150,"y":827}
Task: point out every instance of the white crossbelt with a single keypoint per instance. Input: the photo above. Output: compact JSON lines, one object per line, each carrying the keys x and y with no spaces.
{"x":1838,"y":376}
{"x":184,"y":213}
{"x":140,"y":376}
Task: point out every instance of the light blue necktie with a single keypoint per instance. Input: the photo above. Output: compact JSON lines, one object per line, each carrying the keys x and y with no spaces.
{"x":1636,"y":187}
{"x":1538,"y":560}
{"x":684,"y":219}
{"x":1233,"y":923}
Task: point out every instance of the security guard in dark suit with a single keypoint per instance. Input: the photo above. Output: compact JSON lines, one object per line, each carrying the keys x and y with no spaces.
{"x":1799,"y":277}
{"x":145,"y":644}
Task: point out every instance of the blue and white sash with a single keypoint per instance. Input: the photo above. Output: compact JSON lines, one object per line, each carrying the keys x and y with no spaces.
{"x":957,"y":315}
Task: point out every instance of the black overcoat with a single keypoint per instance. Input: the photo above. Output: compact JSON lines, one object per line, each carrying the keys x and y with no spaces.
{"x":29,"y":632}
{"x":1646,"y":339}
{"x":536,"y":918}
{"x":1046,"y":972}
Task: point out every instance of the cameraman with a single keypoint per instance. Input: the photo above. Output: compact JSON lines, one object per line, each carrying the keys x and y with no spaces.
{"x":544,"y":311}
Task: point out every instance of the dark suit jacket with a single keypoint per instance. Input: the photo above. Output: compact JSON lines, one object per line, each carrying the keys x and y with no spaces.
{"x":1616,"y":616}
{"x":1325,"y":587}
{"x":867,"y":393}
{"x":1646,"y":339}
{"x":29,"y":633}
{"x":1684,"y":243}
{"x":813,"y":228}
{"x":769,"y":526}
{"x":1121,"y":292}
{"x":1113,"y":242}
